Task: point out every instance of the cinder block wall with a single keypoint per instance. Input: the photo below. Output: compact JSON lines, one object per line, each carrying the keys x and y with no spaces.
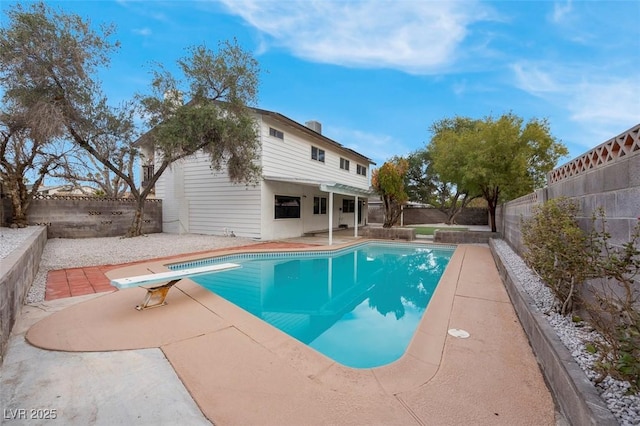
{"x":5,"y":211}
{"x":420,"y":215}
{"x":614,"y":187}
{"x":17,"y":272}
{"x":608,"y":176}
{"x":86,"y":217}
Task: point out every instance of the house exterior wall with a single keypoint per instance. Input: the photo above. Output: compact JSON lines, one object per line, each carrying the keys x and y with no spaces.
{"x":291,"y":157}
{"x":203,"y":201}
{"x":308,"y":222}
{"x":199,"y":200}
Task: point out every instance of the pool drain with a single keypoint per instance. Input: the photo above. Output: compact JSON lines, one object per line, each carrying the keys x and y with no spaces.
{"x":456,"y":332}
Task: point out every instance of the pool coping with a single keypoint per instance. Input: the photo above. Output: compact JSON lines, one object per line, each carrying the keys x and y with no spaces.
{"x":227,"y":357}
{"x":416,"y":366}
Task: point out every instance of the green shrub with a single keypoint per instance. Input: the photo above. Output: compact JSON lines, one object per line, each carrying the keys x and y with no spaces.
{"x":558,"y":250}
{"x":565,"y":257}
{"x":614,"y":308}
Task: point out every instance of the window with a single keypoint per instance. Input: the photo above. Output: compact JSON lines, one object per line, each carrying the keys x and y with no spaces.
{"x":348,"y":206}
{"x":317,"y":154}
{"x":319,"y":205}
{"x":344,"y":164}
{"x":147,"y":174}
{"x":276,"y":133}
{"x":287,"y":207}
{"x":361,"y":170}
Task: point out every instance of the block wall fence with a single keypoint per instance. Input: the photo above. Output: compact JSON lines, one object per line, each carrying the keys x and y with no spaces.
{"x":420,"y":215}
{"x":607,"y":176}
{"x":89,"y":217}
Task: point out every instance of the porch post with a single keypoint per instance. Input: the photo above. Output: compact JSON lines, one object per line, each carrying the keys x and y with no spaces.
{"x":330,"y":218}
{"x":355,"y":219}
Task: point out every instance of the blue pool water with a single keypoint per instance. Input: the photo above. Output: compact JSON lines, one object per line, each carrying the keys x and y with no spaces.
{"x":359,"y":306}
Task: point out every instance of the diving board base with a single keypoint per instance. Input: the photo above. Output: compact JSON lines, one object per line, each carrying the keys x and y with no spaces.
{"x":156,"y":296}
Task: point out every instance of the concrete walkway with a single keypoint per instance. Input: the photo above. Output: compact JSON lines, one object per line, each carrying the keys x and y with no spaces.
{"x":202,"y":359}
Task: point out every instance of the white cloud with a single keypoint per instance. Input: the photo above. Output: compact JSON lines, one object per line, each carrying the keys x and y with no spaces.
{"x":413,"y":36}
{"x":142,"y":31}
{"x":601,"y":103}
{"x":378,"y":147}
{"x":560,"y":11}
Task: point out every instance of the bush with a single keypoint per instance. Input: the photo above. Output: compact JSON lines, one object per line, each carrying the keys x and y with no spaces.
{"x":565,"y":257}
{"x":614,"y":311}
{"x":558,"y":250}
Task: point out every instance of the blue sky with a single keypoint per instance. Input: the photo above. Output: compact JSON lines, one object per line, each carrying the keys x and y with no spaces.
{"x":377,"y":74}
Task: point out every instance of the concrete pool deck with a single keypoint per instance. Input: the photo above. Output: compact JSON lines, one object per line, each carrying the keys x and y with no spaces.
{"x":201,"y":358}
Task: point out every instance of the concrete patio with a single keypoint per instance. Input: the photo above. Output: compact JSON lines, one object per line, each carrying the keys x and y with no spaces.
{"x":201,"y":359}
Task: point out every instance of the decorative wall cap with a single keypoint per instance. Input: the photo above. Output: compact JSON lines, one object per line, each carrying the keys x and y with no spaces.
{"x":620,"y":147}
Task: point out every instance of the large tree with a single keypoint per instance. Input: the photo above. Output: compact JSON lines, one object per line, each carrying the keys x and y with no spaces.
{"x":501,"y":158}
{"x":388,"y":182}
{"x":52,"y":58}
{"x":424,"y":185}
{"x":25,"y":155}
{"x":216,"y":121}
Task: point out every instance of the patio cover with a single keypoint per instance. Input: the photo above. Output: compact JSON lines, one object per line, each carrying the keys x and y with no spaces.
{"x":337,"y":188}
{"x":331,"y":188}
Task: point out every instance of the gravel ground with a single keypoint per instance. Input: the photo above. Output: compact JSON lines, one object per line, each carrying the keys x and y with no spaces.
{"x":69,"y":253}
{"x":626,"y":408}
{"x":10,"y":238}
{"x":60,"y":253}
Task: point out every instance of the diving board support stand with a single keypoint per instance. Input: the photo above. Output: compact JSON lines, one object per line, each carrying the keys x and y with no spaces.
{"x":156,"y":296}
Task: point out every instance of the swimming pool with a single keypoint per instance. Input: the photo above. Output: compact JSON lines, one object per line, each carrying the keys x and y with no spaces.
{"x":359,"y":306}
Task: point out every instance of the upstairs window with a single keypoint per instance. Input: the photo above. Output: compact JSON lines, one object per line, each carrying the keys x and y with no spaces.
{"x":276,"y":133}
{"x":319,"y":205}
{"x":317,"y":154}
{"x":361,"y":170}
{"x":344,"y":164}
{"x":287,"y":207}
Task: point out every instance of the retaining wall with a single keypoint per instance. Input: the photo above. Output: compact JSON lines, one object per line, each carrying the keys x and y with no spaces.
{"x":17,"y":272}
{"x":394,"y":233}
{"x":573,"y":392}
{"x":464,"y":237}
{"x":85,"y":217}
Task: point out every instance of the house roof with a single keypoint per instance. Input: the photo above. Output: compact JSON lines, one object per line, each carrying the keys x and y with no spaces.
{"x":288,"y":121}
{"x":309,"y":131}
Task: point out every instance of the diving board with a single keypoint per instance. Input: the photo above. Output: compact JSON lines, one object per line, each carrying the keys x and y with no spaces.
{"x":158,"y":294}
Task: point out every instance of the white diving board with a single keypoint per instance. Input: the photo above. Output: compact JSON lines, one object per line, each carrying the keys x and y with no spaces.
{"x":169,"y":278}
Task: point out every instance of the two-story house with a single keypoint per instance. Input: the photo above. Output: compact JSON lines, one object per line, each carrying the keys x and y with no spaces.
{"x":309,"y":183}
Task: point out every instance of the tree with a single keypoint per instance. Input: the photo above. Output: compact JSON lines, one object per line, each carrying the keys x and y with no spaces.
{"x":23,"y":155}
{"x":216,"y":121}
{"x":80,"y":168}
{"x":498,"y":158}
{"x":388,"y":182}
{"x":51,"y":58}
{"x":424,"y":185}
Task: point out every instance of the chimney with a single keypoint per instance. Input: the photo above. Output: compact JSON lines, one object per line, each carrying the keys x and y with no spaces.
{"x":314,"y":125}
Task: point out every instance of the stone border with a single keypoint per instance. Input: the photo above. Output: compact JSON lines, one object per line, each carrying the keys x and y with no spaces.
{"x":575,"y":395}
{"x":394,"y":233}
{"x":464,"y":237}
{"x":17,"y":273}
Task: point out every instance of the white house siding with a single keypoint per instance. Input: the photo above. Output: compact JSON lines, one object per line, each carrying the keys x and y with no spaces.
{"x":169,"y":189}
{"x":291,"y":157}
{"x":288,"y":228}
{"x":273,"y":228}
{"x":210,"y":203}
